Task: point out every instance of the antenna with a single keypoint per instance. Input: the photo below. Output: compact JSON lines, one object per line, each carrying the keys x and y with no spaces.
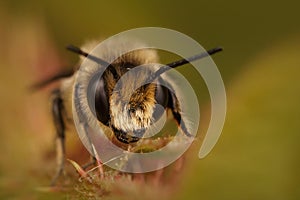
{"x":77,"y":50}
{"x":160,"y":70}
{"x":183,"y":62}
{"x":195,"y":57}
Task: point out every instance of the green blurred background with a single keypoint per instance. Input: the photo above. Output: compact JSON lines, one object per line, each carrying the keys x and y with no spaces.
{"x":257,"y":155}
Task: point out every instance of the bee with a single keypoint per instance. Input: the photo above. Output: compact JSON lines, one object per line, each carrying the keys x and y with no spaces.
{"x":127,"y":120}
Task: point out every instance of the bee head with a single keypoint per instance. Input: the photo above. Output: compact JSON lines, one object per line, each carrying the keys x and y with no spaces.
{"x":124,"y":100}
{"x":127,"y":105}
{"x":131,"y":103}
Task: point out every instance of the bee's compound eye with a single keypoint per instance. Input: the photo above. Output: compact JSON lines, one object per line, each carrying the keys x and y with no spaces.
{"x":101,"y":101}
{"x":162,"y":99}
{"x":162,"y":95}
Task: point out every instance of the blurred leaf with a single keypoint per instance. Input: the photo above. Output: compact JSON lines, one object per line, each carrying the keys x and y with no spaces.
{"x":257,"y":156}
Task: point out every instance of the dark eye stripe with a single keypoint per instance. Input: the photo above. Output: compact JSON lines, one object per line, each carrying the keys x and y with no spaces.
{"x":161,"y":98}
{"x":161,"y":95}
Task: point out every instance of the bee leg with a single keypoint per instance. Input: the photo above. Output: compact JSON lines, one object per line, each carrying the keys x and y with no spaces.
{"x":173,"y":103}
{"x":92,"y":162}
{"x":95,"y":161}
{"x":57,"y":109}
